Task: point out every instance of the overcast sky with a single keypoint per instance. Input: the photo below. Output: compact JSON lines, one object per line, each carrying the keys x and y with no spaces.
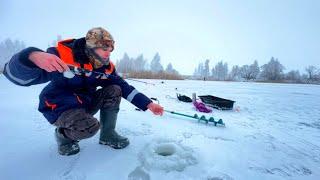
{"x":183,"y":32}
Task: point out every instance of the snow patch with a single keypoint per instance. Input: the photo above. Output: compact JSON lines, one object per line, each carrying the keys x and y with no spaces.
{"x":143,"y":130}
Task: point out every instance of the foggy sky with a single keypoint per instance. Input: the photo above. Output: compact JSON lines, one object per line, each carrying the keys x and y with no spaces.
{"x":183,"y":32}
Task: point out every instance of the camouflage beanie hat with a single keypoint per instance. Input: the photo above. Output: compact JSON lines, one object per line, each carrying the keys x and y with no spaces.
{"x":98,"y":38}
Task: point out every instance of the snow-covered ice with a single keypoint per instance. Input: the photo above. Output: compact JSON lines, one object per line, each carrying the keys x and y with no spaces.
{"x":275,"y":135}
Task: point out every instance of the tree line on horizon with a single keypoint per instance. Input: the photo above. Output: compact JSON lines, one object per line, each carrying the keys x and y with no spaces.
{"x":140,"y":67}
{"x":273,"y":71}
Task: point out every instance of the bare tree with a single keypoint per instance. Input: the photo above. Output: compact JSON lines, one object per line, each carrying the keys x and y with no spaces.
{"x":220,"y":71}
{"x":139,"y":64}
{"x":206,"y":69}
{"x":255,"y":70}
{"x":250,"y":72}
{"x":273,"y":70}
{"x":8,"y":48}
{"x":312,"y":73}
{"x":198,"y":72}
{"x":235,"y":73}
{"x":293,"y":76}
{"x":155,"y":65}
{"x":195,"y":72}
{"x":171,"y":70}
{"x":245,"y":72}
{"x":203,"y":70}
{"x":318,"y":75}
{"x":125,"y":64}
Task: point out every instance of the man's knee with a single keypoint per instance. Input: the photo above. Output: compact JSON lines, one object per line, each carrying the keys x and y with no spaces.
{"x":112,"y":96}
{"x":106,"y":97}
{"x":86,"y":129}
{"x":77,"y":124}
{"x":112,"y":91}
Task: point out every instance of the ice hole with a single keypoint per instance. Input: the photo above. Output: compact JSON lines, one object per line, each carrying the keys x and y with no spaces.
{"x":167,"y":155}
{"x":165,"y":149}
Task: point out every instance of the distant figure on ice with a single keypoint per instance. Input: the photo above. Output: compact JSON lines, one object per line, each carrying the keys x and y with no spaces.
{"x":69,"y":103}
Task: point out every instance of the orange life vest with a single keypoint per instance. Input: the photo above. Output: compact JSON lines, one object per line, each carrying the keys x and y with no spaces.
{"x":66,"y":56}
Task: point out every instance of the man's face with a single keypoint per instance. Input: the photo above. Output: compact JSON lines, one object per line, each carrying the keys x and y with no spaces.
{"x":104,"y":53}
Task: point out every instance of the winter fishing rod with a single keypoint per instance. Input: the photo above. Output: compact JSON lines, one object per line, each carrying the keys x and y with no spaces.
{"x":101,"y":75}
{"x":140,"y":81}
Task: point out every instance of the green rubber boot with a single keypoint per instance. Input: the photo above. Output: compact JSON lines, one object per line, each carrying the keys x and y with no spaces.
{"x":108,"y":135}
{"x":66,"y":146}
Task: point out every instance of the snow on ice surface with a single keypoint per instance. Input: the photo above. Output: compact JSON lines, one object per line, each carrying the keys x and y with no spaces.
{"x":275,"y":135}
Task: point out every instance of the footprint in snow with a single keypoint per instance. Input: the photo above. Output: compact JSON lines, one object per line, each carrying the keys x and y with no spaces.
{"x":219,"y":176}
{"x":139,"y":174}
{"x":287,"y":170}
{"x":69,"y":172}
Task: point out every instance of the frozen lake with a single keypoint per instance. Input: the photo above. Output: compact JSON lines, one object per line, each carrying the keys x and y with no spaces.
{"x":274,"y":135}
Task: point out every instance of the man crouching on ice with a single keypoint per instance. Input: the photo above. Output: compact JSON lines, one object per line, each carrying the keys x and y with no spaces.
{"x":70,"y":103}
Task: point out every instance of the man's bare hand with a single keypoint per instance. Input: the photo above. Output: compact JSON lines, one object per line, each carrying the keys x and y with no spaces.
{"x":156,"y":109}
{"x":48,"y":62}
